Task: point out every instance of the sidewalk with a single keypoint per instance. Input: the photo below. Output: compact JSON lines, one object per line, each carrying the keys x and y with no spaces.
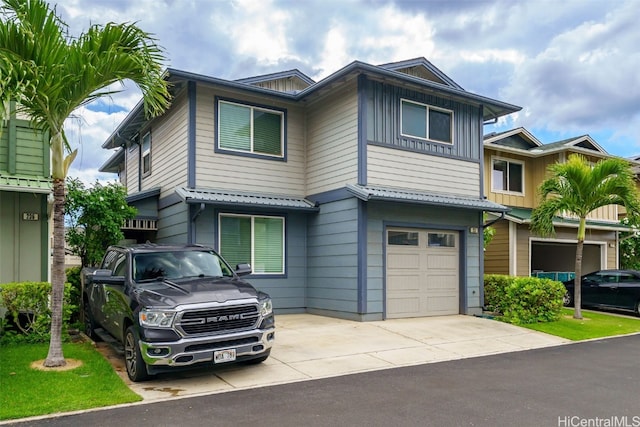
{"x":309,"y":347}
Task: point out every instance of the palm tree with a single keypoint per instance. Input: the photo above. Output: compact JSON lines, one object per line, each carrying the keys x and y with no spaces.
{"x":577,"y":188}
{"x":50,"y":74}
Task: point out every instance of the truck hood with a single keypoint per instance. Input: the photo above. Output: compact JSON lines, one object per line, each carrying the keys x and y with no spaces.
{"x":169,"y":293}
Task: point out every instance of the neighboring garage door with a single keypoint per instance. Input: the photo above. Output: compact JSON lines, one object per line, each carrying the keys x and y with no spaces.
{"x":422,"y":273}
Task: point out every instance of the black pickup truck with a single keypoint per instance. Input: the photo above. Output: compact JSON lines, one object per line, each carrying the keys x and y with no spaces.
{"x":175,"y":306}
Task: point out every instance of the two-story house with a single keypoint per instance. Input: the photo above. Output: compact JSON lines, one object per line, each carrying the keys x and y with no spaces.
{"x":358,"y":196}
{"x":25,"y":184}
{"x":515,"y":164}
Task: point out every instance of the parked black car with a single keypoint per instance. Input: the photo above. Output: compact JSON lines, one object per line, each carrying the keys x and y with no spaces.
{"x":617,"y":289}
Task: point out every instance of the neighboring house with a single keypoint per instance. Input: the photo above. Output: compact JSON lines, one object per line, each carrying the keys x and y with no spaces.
{"x":24,"y":186}
{"x":515,"y":164}
{"x":359,"y":196}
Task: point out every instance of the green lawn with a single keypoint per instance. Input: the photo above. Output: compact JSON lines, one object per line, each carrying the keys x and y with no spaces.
{"x":593,"y":325}
{"x":26,"y":392}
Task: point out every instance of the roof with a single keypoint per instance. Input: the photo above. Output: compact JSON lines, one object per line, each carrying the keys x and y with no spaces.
{"x":235,"y":198}
{"x":26,"y":184}
{"x":523,"y":216}
{"x":113,"y":163}
{"x":408,"y":196}
{"x":491,"y":108}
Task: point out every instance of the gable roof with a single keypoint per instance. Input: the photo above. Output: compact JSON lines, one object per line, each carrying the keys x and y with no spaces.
{"x":422,"y":68}
{"x":290,"y":74}
{"x":440,"y":85}
{"x":522,"y":142}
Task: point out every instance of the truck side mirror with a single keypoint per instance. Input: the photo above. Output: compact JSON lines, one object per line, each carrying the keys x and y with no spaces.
{"x":104,"y":276}
{"x":243,"y":269}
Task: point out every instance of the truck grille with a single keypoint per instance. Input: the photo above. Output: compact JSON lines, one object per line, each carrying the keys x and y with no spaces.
{"x":219,"y":320}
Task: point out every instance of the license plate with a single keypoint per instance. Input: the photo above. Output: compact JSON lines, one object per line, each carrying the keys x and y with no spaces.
{"x":224,"y":356}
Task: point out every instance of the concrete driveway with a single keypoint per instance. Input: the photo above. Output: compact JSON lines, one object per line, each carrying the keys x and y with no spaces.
{"x":310,"y":347}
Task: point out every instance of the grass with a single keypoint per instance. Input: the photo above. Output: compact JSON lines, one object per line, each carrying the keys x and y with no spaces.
{"x":26,"y":392}
{"x":593,"y":325}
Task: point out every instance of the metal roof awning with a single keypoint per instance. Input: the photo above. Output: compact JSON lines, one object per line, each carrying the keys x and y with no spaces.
{"x":26,"y":184}
{"x":523,"y":216}
{"x":408,"y":196}
{"x":234,"y":198}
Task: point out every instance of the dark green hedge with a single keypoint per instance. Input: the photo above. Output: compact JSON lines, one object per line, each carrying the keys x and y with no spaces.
{"x":523,"y":300}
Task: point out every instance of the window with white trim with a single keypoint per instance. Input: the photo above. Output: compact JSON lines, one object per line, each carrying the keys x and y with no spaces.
{"x":145,"y":149}
{"x":426,"y":122}
{"x":250,"y":129}
{"x":507,"y":176}
{"x":253,"y":239}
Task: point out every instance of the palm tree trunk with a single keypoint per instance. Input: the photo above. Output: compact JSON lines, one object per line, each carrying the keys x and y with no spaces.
{"x":577,"y":288}
{"x":55,"y":356}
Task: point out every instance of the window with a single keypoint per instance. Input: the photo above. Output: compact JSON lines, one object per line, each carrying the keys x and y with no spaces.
{"x":250,"y":129}
{"x":403,"y":238}
{"x":145,"y":149}
{"x":507,"y":175}
{"x":425,"y":122}
{"x":257,"y":240}
{"x":446,"y":240}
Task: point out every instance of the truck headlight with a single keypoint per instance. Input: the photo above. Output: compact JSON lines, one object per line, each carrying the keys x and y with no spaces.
{"x":156,"y":318}
{"x":266,"y":307}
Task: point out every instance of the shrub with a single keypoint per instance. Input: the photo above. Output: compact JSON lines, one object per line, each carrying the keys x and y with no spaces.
{"x":523,"y":300}
{"x":73,"y":278}
{"x":27,"y":304}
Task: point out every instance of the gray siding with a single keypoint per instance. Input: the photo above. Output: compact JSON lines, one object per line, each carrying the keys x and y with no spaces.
{"x":332,"y":285}
{"x":404,"y":215}
{"x":383,"y":122}
{"x":172,"y":224}
{"x":288,"y":293}
{"x":332,"y":138}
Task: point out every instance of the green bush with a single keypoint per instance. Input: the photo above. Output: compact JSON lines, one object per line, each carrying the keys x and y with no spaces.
{"x":27,"y":305}
{"x":73,"y":278}
{"x":523,"y":300}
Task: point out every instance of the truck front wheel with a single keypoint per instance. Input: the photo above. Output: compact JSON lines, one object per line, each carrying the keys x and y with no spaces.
{"x":136,"y":368}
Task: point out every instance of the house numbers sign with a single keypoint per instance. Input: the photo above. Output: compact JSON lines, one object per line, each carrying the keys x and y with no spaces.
{"x":30,"y":216}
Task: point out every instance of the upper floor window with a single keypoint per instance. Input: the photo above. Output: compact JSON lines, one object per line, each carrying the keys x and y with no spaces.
{"x":426,"y":122}
{"x":145,"y":149}
{"x":250,"y":129}
{"x":507,"y":175}
{"x":257,"y":240}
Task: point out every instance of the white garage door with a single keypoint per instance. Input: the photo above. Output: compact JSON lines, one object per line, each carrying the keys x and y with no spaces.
{"x":422,"y":273}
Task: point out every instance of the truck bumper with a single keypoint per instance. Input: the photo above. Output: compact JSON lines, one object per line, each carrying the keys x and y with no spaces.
{"x":189,"y":351}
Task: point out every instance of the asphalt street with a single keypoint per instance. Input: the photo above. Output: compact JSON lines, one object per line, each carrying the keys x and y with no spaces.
{"x":595,"y":383}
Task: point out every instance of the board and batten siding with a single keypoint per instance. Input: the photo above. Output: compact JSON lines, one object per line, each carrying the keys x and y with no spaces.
{"x":332,"y":258}
{"x":23,"y":150}
{"x":383,"y":122}
{"x":241,"y":172}
{"x":332,"y":141}
{"x":409,"y":170}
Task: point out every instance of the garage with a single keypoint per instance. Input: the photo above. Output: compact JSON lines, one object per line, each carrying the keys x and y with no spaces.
{"x":422,"y":276}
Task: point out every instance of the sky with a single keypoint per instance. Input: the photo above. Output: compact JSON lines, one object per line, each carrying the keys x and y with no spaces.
{"x":573,"y":65}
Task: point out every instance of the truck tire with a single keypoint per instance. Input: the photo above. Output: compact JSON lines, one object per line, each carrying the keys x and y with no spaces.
{"x":89,"y":324}
{"x":136,"y":368}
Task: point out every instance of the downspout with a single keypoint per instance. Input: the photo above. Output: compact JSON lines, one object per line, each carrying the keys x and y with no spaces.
{"x":490,"y":223}
{"x":192,"y":234}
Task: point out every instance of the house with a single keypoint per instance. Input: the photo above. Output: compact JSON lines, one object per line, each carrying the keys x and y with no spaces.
{"x":515,"y":164}
{"x":359,"y":196}
{"x":25,"y":184}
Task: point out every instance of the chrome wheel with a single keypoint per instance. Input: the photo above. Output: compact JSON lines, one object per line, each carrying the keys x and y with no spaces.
{"x":567,"y":300}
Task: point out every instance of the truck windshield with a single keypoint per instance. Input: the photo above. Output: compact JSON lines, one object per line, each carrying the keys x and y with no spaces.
{"x":178,"y":265}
